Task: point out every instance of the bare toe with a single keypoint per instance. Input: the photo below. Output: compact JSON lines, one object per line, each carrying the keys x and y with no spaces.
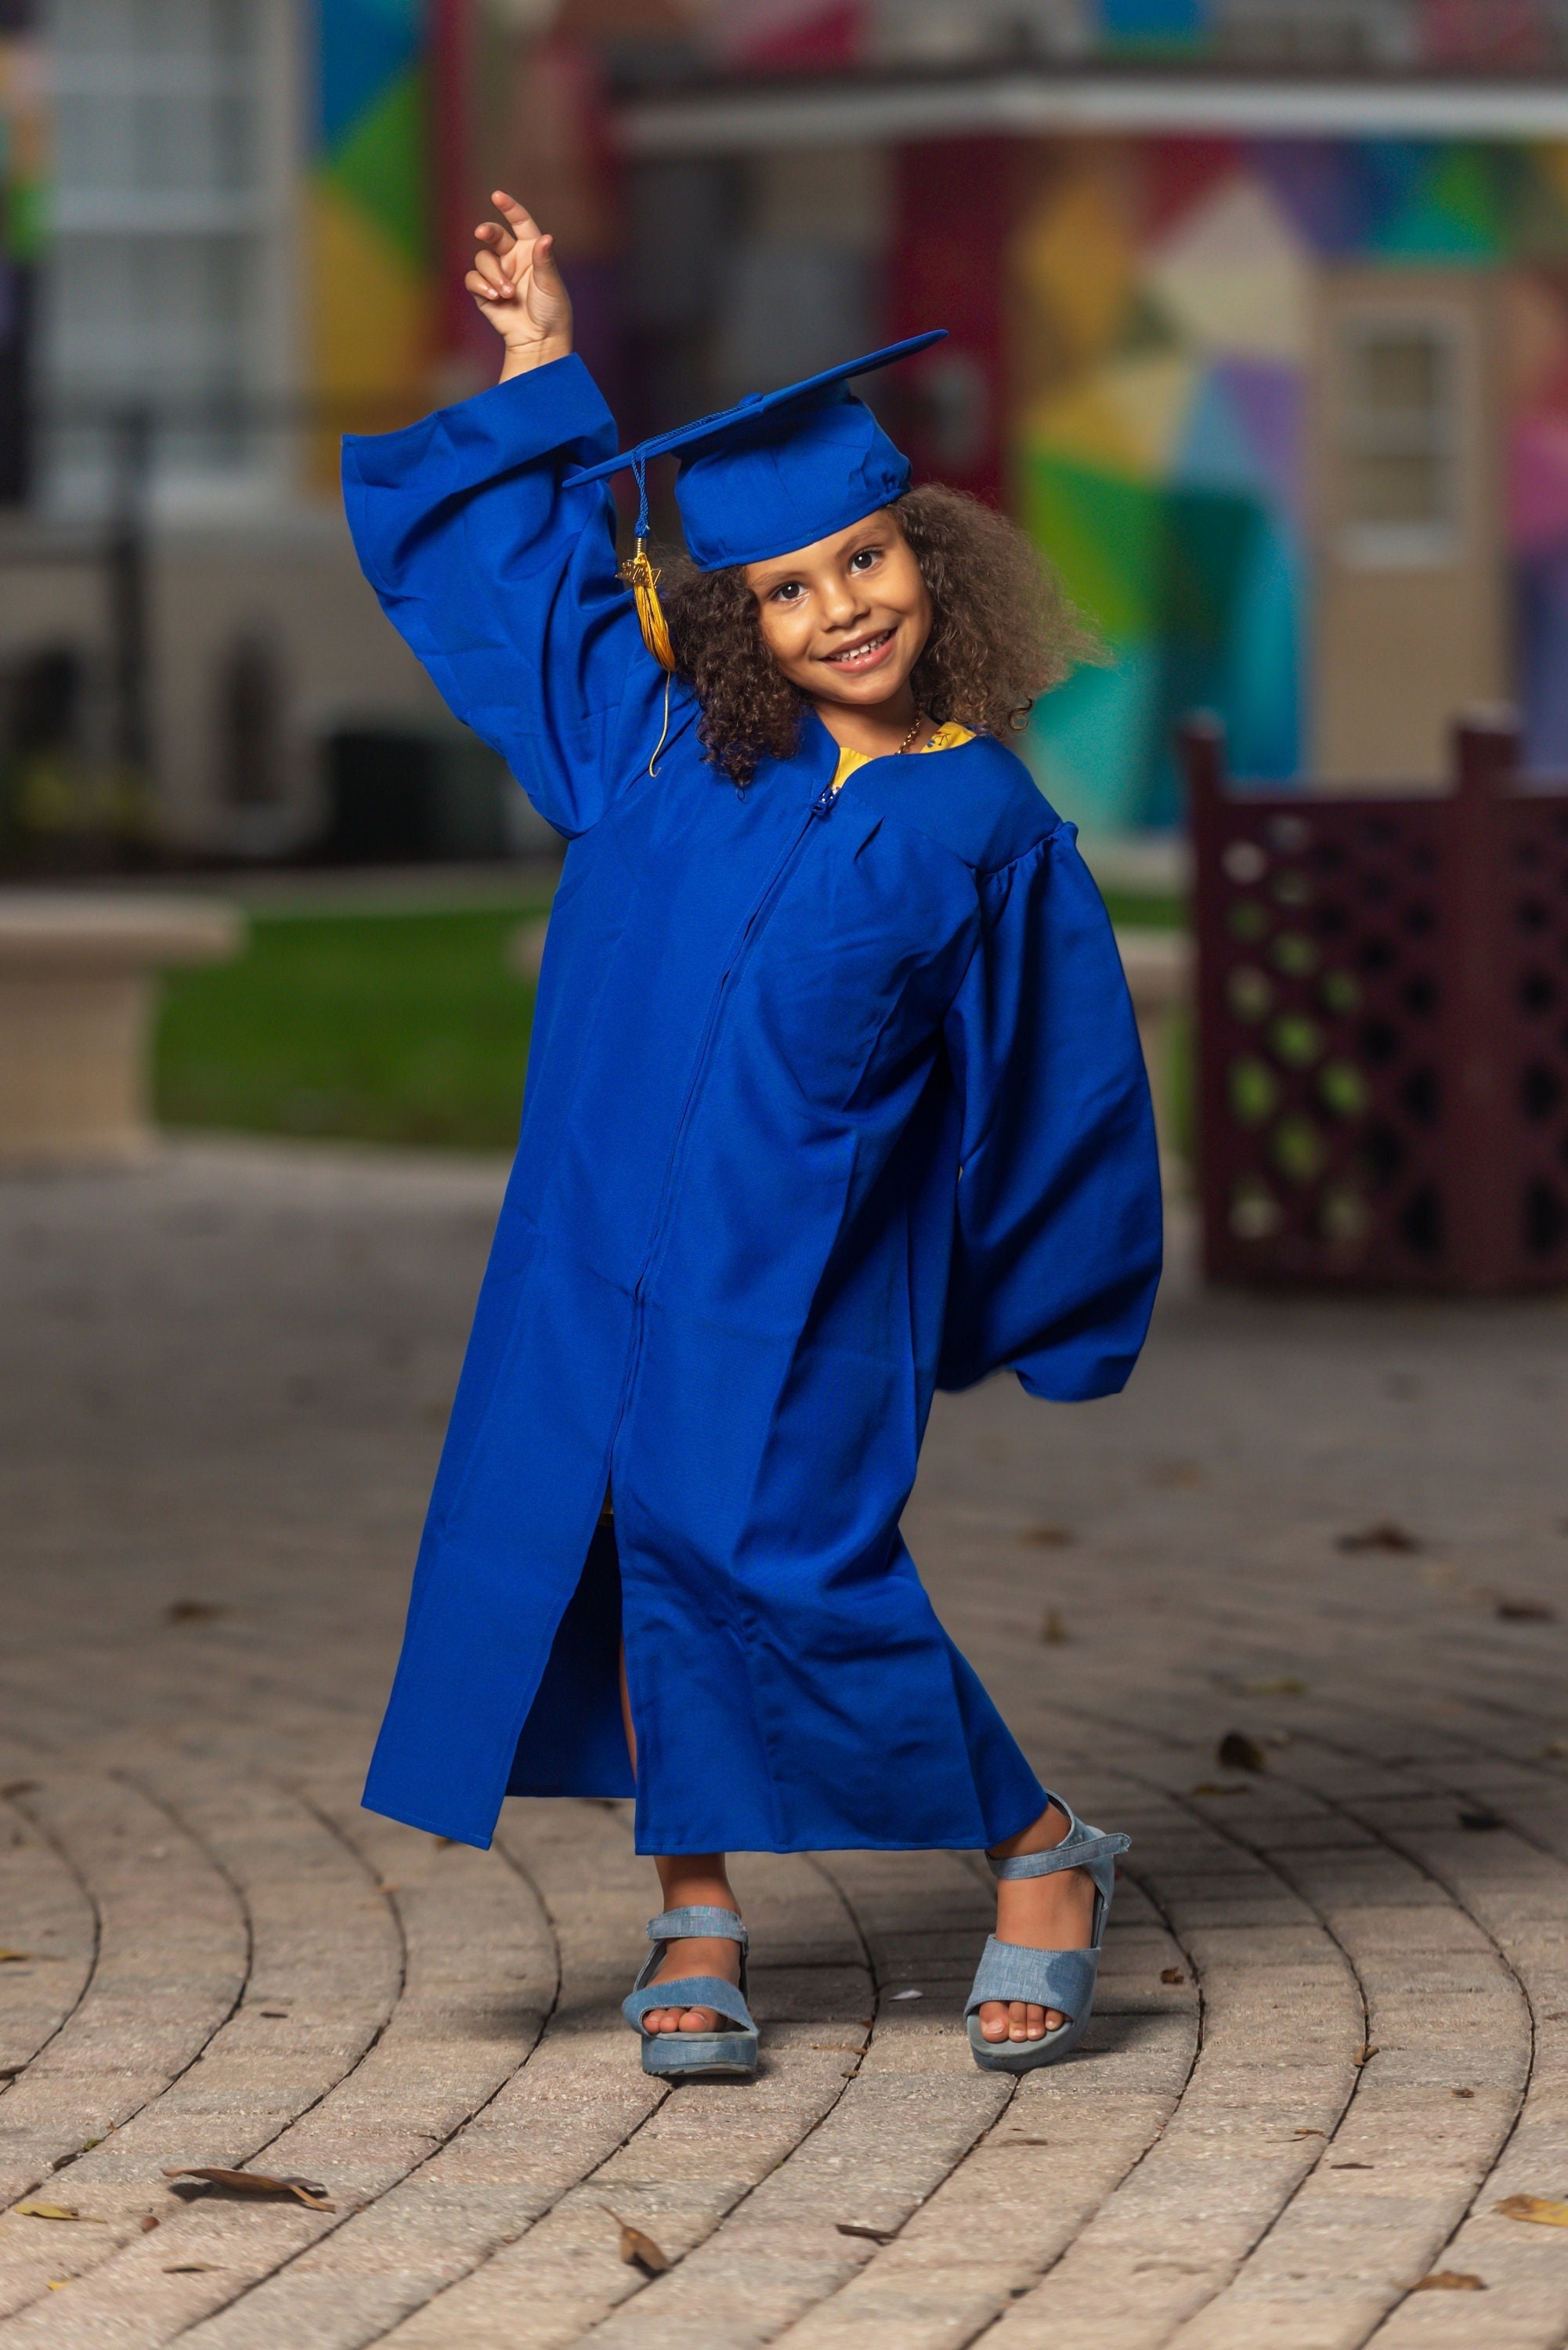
{"x":993,"y":2019}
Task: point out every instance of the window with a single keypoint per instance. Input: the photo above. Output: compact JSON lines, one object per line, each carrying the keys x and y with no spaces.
{"x":1398,"y":441}
{"x":166,"y":276}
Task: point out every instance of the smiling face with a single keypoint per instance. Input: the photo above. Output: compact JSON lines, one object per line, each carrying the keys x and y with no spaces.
{"x":847,"y":617}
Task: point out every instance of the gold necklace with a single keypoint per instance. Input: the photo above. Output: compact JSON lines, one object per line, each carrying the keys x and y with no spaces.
{"x":909,"y":736}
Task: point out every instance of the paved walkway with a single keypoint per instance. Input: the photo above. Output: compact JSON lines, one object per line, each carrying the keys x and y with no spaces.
{"x":1334,"y":2033}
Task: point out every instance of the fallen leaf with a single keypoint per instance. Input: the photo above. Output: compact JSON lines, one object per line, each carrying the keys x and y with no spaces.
{"x":19,"y":1786}
{"x":192,"y":1611}
{"x":1046,"y":1537}
{"x":1352,"y":2166}
{"x":1464,"y":2093}
{"x":59,"y":2211}
{"x":1309,"y":2132}
{"x":57,"y":2284}
{"x":641,"y":2251}
{"x":1053,"y":1632}
{"x":1171,"y":1975}
{"x":1526,"y":1611}
{"x":1365,"y":2053}
{"x":1538,"y":2208}
{"x":1237,"y":1751}
{"x":308,"y":2192}
{"x":12,"y":2072}
{"x":1213,"y":1787}
{"x":872,"y":2235}
{"x":190,"y":2268}
{"x":1555,"y":1749}
{"x":1384,"y":1536}
{"x":1183,"y":1473}
{"x":1480,"y":1817}
{"x":276,"y":2014}
{"x":1449,"y":2281}
{"x":148,"y":2224}
{"x":14,"y":1957}
{"x":1276,"y":1685}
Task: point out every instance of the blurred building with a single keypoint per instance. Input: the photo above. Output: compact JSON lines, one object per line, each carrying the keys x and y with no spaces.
{"x":1259,"y":322}
{"x":1259,"y":317}
{"x":221,"y":229}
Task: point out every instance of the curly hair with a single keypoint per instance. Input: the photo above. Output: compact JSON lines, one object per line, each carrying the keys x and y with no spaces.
{"x":1002,"y":632}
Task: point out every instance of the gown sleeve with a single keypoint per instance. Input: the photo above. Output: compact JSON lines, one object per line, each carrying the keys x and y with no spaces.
{"x":504,"y":584}
{"x":1056,"y":1252}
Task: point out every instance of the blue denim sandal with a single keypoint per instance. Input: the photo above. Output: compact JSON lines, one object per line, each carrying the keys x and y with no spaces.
{"x":1064,"y":1980}
{"x":695,"y":2055}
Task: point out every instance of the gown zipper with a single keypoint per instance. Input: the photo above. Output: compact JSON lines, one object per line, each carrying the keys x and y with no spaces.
{"x":820,"y":807}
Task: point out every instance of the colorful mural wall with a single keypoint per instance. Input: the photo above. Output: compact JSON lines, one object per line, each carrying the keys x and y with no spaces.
{"x":22,"y":158}
{"x":1163,"y":306}
{"x":374,"y":296}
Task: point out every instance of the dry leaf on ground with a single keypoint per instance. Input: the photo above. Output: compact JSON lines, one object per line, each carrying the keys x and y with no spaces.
{"x":1526,"y":1611}
{"x":872,"y":2235}
{"x":1309,"y":2132}
{"x":641,"y":2251}
{"x":1213,"y":1787}
{"x":308,"y":2192}
{"x":1365,"y":2053}
{"x":14,"y":1957}
{"x":1171,"y":1975}
{"x":148,"y":2224}
{"x":190,"y":2268}
{"x":59,"y":2211}
{"x":1237,"y":1751}
{"x":1276,"y":1685}
{"x":1449,"y":2281}
{"x":1542,"y":2209}
{"x":1384,"y":1536}
{"x":1480,"y":1817}
{"x":19,"y":1786}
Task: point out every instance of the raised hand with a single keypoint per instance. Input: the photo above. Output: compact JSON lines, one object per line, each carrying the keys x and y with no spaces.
{"x":517,"y":287}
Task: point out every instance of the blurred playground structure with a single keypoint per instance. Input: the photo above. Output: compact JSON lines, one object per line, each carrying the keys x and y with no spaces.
{"x":1259,"y":317}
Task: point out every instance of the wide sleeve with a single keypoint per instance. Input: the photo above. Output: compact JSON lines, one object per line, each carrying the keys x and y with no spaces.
{"x":504,"y":584}
{"x":1057,"y":1248}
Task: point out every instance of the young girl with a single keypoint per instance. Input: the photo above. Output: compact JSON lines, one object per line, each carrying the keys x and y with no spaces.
{"x":834,"y":1098}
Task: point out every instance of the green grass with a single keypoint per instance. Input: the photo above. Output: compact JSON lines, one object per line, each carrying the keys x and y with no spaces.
{"x":403,"y":1028}
{"x":398,"y":1027}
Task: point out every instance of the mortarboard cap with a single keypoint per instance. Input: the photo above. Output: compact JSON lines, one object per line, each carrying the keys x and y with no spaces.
{"x":778,"y":471}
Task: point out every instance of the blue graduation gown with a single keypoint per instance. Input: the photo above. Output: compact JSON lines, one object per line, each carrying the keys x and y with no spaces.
{"x":831,"y":1101}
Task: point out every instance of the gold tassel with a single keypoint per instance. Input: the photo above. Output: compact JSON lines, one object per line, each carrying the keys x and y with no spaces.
{"x":643,"y":581}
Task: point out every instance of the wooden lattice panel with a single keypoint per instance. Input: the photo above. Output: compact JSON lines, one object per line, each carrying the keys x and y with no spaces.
{"x":1531,"y":973}
{"x":1383,"y":1042}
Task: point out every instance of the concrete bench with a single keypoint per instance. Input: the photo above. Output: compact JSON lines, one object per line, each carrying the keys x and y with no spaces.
{"x":78,"y":975}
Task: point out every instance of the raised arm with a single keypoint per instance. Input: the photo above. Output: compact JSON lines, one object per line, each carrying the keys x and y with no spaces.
{"x":503,"y":583}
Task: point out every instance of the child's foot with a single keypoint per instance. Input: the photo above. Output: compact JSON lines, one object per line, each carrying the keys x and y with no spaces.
{"x":1043,"y":1913}
{"x":702,"y":1955}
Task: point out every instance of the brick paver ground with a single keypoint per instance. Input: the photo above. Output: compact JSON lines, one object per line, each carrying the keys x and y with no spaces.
{"x":1333,"y":2028}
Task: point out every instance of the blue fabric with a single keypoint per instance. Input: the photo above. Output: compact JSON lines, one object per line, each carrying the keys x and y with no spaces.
{"x":830,"y":1102}
{"x":1064,"y":1980}
{"x":779,"y":471}
{"x":786,"y":481}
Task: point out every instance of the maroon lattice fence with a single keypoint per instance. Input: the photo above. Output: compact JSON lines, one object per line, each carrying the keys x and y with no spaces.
{"x":1383,"y":1027}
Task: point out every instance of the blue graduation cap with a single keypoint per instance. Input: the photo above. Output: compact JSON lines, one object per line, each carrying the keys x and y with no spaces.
{"x":779,"y":470}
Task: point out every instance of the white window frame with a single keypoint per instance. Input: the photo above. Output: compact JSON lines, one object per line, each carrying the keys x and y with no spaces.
{"x":266,"y":214}
{"x":1365,"y":545}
